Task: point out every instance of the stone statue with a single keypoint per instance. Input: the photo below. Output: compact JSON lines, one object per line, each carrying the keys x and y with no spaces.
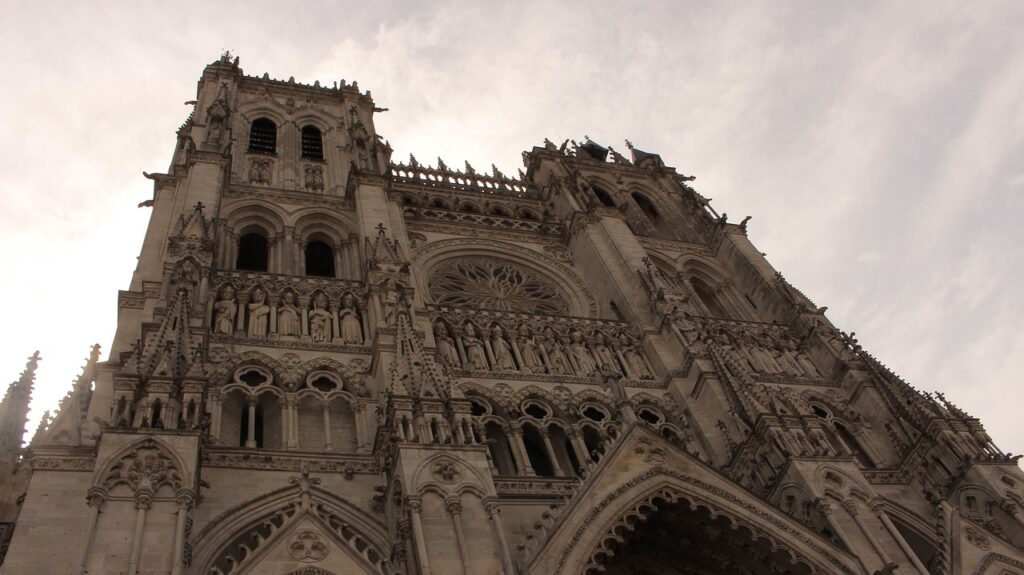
{"x":637,"y":364}
{"x":604,"y":355}
{"x":559,"y":363}
{"x":580,"y":354}
{"x":224,"y":312}
{"x":503,"y":360}
{"x":259,"y":314}
{"x":320,"y":320}
{"x":687,"y":328}
{"x":389,"y":297}
{"x":446,"y":345}
{"x":785,"y":356}
{"x":288,"y":316}
{"x":528,"y":350}
{"x":351,"y":327}
{"x":612,"y":381}
{"x":476,"y":358}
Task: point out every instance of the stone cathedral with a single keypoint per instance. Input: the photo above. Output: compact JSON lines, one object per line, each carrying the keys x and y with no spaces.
{"x":330,"y":362}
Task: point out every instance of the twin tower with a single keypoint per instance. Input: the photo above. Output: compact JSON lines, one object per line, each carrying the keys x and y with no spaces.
{"x":332,"y":362}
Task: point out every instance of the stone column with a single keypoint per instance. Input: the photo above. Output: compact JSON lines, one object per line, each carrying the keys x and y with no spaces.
{"x":493,"y":515}
{"x":215,"y":414}
{"x":851,"y":507}
{"x":327,"y":426}
{"x":143,"y":499}
{"x":95,"y":499}
{"x":579,"y":446}
{"x":879,"y":508}
{"x":250,"y":440}
{"x":184,"y":498}
{"x":243,"y":306}
{"x":417,"y":531}
{"x":515,"y":436}
{"x":825,"y":508}
{"x":362,"y":436}
{"x":455,"y":510}
{"x":550,"y":449}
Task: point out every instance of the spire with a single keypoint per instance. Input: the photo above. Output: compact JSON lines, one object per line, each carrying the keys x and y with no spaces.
{"x":65,"y":427}
{"x":413,"y":372}
{"x":14,"y":411}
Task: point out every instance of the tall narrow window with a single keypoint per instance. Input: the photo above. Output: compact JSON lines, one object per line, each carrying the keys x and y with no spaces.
{"x":263,"y":136}
{"x":319,"y":259}
{"x":312,"y":143}
{"x":708,"y":298}
{"x":604,"y":197}
{"x":252,"y":253}
{"x":648,"y":208}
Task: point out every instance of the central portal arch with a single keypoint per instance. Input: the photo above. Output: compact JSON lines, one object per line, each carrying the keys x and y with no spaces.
{"x":676,"y":538}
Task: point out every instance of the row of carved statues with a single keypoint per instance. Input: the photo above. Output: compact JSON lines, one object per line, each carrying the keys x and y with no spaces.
{"x":759,"y":351}
{"x":322,"y":321}
{"x":548,"y":352}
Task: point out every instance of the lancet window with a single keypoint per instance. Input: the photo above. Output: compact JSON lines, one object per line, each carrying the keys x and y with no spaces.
{"x":603,"y":196}
{"x":319,"y":259}
{"x":252,"y":252}
{"x":312,"y":143}
{"x":263,"y":136}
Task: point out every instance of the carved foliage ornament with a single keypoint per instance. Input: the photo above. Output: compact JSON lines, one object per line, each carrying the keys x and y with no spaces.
{"x":497,"y":285}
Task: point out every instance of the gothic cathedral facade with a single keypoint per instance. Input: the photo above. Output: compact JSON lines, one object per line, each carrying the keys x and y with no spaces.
{"x":331,"y":362}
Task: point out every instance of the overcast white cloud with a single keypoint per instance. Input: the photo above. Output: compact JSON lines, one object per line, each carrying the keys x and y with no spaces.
{"x":878,"y":145}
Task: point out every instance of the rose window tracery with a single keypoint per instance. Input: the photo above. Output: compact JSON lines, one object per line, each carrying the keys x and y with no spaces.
{"x":497,"y":285}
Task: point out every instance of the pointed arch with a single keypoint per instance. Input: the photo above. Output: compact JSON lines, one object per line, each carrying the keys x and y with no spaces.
{"x":163,"y":466}
{"x":604,"y":524}
{"x":235,"y":539}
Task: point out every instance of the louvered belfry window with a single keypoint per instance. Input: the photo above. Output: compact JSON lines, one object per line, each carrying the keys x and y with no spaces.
{"x":263,"y":136}
{"x":312,"y":143}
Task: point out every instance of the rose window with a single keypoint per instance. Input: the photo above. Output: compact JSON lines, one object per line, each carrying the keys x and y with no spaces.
{"x":497,"y":285}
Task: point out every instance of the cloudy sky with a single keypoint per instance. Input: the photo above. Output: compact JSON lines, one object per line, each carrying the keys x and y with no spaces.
{"x":877,"y":145}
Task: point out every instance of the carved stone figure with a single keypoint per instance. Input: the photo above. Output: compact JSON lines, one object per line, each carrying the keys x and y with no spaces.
{"x":446,"y":345}
{"x":224,"y":312}
{"x":351,"y":326}
{"x":259,"y":171}
{"x":502,"y":351}
{"x":808,"y":366}
{"x":785,"y":356}
{"x":320,"y":320}
{"x":288,"y":316}
{"x":604,"y":355}
{"x":528,"y":350}
{"x":259,"y":314}
{"x":637,"y":364}
{"x":476,"y":358}
{"x":687,"y":328}
{"x":389,"y":298}
{"x":585,"y":364}
{"x":558,"y":362}
{"x":314,"y":178}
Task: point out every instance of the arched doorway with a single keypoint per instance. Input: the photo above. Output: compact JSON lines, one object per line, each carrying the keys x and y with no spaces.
{"x":679,"y":539}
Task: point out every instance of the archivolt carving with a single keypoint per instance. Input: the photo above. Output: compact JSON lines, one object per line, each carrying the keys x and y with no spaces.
{"x":570,"y":284}
{"x":997,"y":559}
{"x":311,"y":571}
{"x":672,"y":485}
{"x":145,"y":464}
{"x":232,"y":539}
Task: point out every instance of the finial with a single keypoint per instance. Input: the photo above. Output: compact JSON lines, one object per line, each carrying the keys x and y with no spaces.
{"x":629,"y":144}
{"x":469,"y":168}
{"x":412,"y":161}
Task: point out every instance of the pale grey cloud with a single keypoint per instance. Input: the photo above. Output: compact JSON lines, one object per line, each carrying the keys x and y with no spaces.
{"x":877,"y":145}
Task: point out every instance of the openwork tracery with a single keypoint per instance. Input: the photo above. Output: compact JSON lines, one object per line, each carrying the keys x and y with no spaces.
{"x":495,"y":284}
